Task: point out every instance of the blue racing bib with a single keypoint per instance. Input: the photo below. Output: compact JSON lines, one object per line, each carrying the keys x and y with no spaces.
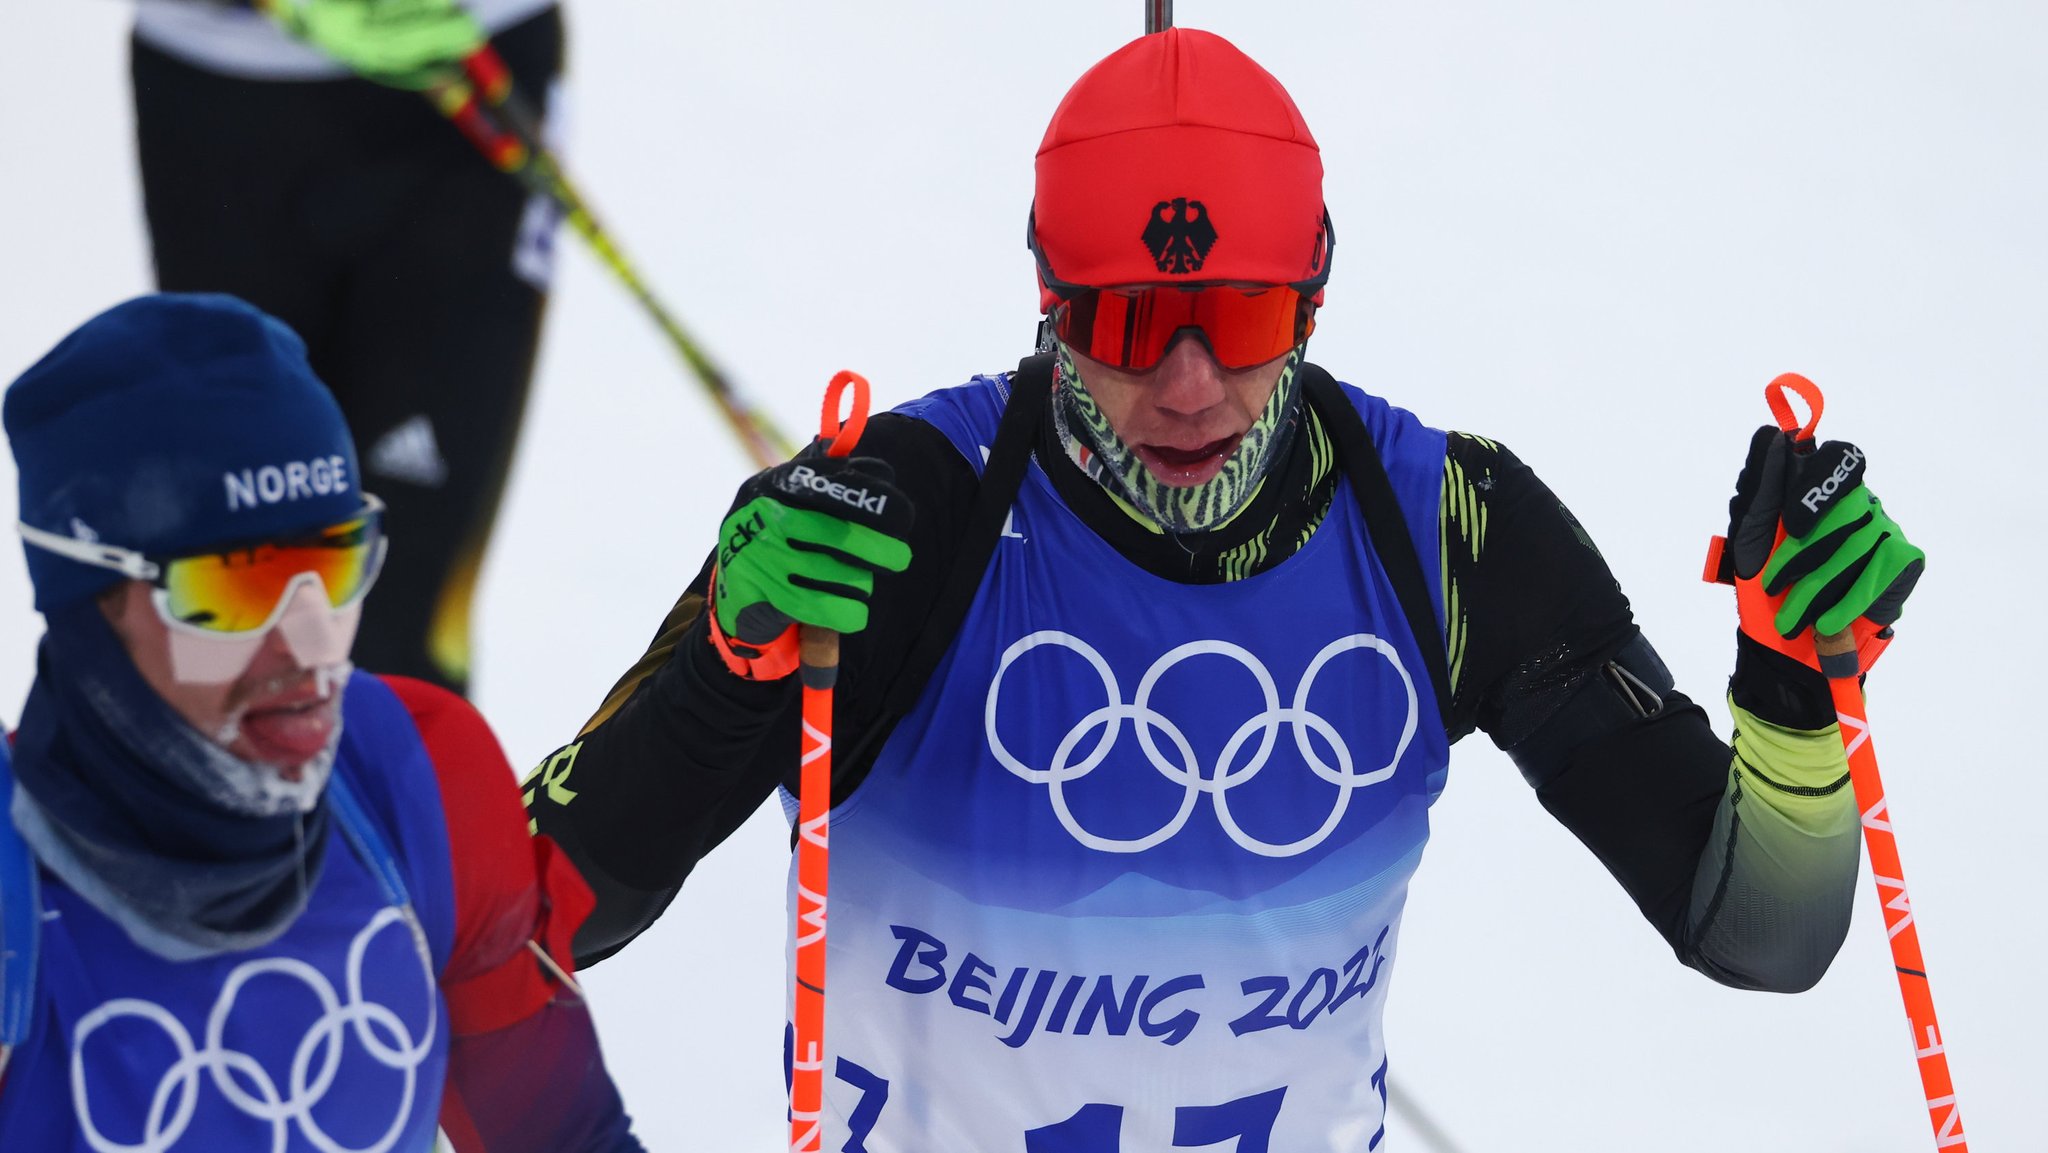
{"x":332,"y":1039}
{"x":1129,"y":876}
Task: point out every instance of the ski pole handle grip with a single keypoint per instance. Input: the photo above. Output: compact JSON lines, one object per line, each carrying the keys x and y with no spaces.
{"x":818,"y":656}
{"x":1841,"y":655}
{"x":1837,"y":652}
{"x":817,"y":648}
{"x":489,"y":72}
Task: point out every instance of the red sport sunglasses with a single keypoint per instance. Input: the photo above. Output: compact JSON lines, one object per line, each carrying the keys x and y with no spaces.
{"x":1131,"y":328}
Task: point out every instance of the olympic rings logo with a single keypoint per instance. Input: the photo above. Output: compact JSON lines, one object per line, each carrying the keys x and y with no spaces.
{"x":1183,"y":767}
{"x":243,"y":1081}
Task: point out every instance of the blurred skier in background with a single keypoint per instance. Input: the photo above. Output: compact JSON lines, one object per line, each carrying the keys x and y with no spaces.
{"x":306,"y":177}
{"x":251,"y":898}
{"x":1153,"y":654}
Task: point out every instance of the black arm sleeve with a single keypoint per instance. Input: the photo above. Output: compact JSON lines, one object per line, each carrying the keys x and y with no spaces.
{"x":1748,"y":879}
{"x":1637,"y":779}
{"x":682,"y":751}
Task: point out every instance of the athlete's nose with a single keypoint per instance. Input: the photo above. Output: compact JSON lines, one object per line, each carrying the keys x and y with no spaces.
{"x":1188,"y":380}
{"x":316,"y":633}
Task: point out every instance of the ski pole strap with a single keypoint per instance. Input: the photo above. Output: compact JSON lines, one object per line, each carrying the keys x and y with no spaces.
{"x":1001,"y":475}
{"x":1384,"y":524}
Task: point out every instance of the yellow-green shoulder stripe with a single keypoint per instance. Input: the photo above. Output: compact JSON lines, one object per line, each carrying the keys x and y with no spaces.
{"x":678,"y":622}
{"x":1461,"y":524}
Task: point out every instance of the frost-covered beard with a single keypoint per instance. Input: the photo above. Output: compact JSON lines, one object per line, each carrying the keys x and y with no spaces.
{"x":246,"y":787}
{"x":1094,"y":446}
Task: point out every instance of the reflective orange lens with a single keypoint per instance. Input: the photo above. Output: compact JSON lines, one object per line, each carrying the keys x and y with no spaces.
{"x":240,"y":590}
{"x":1132,"y":328}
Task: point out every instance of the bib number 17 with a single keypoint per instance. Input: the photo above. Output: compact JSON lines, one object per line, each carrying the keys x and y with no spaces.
{"x":1099,"y":1128}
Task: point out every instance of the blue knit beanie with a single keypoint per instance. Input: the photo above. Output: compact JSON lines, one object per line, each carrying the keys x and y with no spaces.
{"x":170,"y":424}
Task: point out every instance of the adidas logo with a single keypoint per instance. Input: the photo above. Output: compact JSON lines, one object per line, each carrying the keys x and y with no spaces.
{"x":410,"y":453}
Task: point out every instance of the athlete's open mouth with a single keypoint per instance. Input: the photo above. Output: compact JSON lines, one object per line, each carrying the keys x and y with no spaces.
{"x":289,"y":721}
{"x":1188,"y":465}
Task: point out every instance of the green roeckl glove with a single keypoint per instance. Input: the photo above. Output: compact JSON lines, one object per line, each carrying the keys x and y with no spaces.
{"x":802,"y":545}
{"x":400,"y":43}
{"x":1844,"y":559}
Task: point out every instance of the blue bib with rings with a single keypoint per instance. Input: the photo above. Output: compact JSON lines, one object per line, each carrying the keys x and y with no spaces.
{"x":331,"y":1039}
{"x":1129,"y":875}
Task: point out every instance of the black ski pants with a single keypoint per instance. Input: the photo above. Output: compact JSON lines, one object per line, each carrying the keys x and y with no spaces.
{"x":414,"y":271}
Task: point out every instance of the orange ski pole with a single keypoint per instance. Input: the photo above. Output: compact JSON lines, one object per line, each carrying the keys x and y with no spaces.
{"x":1883,"y":849}
{"x":1840,"y":664}
{"x":819,"y":650}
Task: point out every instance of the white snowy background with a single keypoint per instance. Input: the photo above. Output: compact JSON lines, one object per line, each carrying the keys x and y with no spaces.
{"x":1593,"y":230}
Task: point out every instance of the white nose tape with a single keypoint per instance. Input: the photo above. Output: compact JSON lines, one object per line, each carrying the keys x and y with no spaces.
{"x":317,"y":633}
{"x":201,"y":659}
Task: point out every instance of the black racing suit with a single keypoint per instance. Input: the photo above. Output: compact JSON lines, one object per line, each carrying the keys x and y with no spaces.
{"x":1543,"y":656}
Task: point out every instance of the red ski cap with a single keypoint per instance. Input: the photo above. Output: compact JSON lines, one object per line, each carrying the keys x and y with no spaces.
{"x":1178,"y":159}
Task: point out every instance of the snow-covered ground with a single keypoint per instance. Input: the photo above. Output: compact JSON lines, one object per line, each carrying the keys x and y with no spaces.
{"x":1593,"y":230}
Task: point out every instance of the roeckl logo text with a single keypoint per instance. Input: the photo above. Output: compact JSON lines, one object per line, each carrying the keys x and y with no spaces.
{"x":1851,"y":457}
{"x":294,"y":480}
{"x":803,"y":476}
{"x":744,"y":533}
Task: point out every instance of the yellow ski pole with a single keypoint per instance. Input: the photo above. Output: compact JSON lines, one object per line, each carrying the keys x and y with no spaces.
{"x":516,"y":149}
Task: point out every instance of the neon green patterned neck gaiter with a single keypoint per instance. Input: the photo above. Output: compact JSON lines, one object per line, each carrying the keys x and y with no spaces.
{"x":1094,"y":446}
